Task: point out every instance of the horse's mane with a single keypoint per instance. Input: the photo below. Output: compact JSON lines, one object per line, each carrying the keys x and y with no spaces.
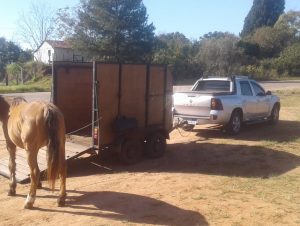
{"x":1,"y":98}
{"x":6,"y":102}
{"x":4,"y":107}
{"x":16,"y":101}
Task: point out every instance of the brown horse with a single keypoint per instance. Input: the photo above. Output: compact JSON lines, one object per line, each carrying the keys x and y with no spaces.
{"x":31,"y":126}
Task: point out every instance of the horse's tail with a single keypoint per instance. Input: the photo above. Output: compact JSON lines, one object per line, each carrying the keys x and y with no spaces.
{"x":54,"y":155}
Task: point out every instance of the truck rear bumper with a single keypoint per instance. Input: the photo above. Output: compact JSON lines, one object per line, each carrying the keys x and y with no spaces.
{"x":215,"y":118}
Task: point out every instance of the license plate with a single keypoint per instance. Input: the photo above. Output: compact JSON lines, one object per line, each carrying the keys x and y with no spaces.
{"x":192,"y":122}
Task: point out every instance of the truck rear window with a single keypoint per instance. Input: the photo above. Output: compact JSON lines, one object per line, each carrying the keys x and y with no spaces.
{"x":213,"y":86}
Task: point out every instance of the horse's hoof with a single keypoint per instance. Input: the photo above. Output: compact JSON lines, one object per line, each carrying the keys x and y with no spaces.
{"x":11,"y":193}
{"x":28,"y":205}
{"x":61,"y":201}
{"x":39,"y":186}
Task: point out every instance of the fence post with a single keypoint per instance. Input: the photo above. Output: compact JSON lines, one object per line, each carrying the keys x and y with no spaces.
{"x":6,"y":78}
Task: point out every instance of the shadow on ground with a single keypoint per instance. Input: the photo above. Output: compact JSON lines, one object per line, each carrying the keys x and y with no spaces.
{"x":127,"y":207}
{"x":198,"y":157}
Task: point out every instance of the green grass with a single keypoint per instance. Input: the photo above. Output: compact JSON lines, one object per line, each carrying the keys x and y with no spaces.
{"x":274,"y":199}
{"x":42,"y":84}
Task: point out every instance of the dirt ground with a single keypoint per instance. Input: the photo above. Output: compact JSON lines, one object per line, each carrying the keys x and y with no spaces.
{"x":205,"y":178}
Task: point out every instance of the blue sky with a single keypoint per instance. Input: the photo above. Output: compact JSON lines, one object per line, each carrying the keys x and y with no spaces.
{"x":193,"y":18}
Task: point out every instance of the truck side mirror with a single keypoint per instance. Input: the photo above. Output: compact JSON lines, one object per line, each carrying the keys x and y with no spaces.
{"x":269,"y":93}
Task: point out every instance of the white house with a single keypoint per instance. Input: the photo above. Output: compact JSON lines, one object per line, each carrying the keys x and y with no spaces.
{"x":51,"y":50}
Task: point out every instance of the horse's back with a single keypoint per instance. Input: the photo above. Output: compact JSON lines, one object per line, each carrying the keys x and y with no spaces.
{"x":28,"y":122}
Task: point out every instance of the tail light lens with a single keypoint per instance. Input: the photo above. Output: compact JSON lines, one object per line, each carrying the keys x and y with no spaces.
{"x":216,"y":104}
{"x":96,"y":135}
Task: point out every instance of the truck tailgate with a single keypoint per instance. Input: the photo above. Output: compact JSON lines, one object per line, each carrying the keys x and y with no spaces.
{"x":192,"y":104}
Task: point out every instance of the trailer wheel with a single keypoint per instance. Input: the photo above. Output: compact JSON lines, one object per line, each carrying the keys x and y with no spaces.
{"x":131,"y":151}
{"x":156,"y":145}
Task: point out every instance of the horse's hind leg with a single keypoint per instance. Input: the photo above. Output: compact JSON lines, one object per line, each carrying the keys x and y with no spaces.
{"x":34,"y":176}
{"x":12,"y":169}
{"x":39,"y":183}
{"x":62,"y":177}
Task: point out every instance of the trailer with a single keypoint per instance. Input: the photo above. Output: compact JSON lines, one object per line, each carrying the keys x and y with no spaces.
{"x":126,"y":108}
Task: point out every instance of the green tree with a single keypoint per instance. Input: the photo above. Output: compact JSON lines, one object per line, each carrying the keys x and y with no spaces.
{"x":289,"y":60}
{"x":9,"y":52}
{"x":289,"y":21}
{"x":25,"y":56}
{"x":263,"y":13}
{"x":271,"y":41}
{"x":215,"y":34}
{"x":170,"y":47}
{"x":13,"y":71}
{"x":249,"y":48}
{"x":112,"y":30}
{"x":177,"y":50}
{"x":220,"y":54}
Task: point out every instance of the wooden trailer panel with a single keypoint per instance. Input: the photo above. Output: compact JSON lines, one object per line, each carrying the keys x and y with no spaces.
{"x":156,"y":95}
{"x":108,"y":100}
{"x":155,"y":111}
{"x":133,"y":91}
{"x":73,"y":84}
{"x":156,"y":80}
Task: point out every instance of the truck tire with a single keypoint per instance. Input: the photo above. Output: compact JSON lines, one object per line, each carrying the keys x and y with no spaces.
{"x":156,"y":145}
{"x":235,"y":124}
{"x":131,"y":151}
{"x":274,"y":117}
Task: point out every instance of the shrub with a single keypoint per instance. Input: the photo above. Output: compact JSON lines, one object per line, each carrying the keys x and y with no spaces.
{"x":13,"y":71}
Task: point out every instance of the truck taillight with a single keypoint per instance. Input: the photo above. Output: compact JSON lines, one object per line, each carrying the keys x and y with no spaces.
{"x":96,"y":135}
{"x":216,"y":104}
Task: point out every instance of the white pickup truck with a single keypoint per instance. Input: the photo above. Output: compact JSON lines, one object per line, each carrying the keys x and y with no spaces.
{"x":225,"y":101}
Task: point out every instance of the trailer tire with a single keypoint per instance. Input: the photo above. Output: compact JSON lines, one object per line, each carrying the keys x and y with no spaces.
{"x":156,"y":145}
{"x":131,"y":151}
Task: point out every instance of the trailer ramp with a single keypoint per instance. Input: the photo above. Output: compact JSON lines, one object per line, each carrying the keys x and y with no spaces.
{"x":73,"y":150}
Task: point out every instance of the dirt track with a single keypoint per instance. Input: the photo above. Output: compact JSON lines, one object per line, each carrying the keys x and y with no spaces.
{"x":205,"y":178}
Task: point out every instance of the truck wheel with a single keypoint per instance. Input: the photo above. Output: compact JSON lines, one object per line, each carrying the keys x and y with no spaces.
{"x":235,"y":124}
{"x":131,"y":151}
{"x":274,"y":117}
{"x":156,"y":145}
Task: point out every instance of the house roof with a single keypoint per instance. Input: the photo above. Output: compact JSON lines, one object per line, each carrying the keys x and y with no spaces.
{"x":58,"y":44}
